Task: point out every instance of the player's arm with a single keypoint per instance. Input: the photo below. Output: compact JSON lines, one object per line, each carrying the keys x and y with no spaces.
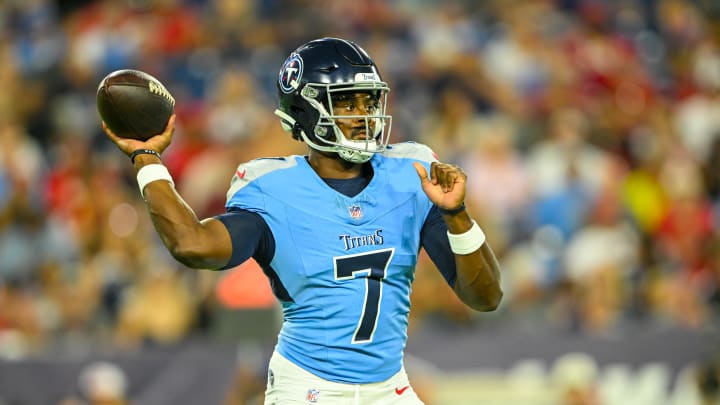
{"x":477,"y":275}
{"x":194,"y":243}
{"x":477,"y":281}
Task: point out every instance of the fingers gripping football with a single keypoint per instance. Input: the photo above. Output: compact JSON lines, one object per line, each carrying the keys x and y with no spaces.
{"x":445,"y":186}
{"x":157,"y":143}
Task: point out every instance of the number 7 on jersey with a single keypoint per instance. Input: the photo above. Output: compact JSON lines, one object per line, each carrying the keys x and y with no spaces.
{"x":372,"y":266}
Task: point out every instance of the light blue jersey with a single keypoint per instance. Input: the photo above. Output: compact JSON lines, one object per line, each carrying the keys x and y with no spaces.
{"x":347,"y":264}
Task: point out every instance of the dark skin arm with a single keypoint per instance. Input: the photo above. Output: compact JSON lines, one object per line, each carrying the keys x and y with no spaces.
{"x":204,"y":244}
{"x":478,"y":274}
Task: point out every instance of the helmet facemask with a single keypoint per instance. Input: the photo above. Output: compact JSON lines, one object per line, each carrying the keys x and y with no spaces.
{"x":326,"y":134}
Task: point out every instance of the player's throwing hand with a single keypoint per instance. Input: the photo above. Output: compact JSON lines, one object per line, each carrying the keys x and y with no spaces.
{"x":158,"y":143}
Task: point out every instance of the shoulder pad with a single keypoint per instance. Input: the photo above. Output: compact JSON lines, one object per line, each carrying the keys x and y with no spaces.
{"x":411,"y":150}
{"x":254,"y":169}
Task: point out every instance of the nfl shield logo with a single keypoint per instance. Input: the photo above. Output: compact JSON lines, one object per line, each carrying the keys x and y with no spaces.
{"x":355,"y":211}
{"x":312,"y":395}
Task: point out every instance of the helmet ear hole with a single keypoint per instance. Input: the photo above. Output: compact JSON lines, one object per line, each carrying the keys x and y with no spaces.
{"x":296,"y":129}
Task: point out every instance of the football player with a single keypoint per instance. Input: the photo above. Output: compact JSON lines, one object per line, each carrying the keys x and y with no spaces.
{"x":337,"y":232}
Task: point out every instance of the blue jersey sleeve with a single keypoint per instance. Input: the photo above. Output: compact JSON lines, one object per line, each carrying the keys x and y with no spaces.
{"x":433,"y":238}
{"x":250,"y":235}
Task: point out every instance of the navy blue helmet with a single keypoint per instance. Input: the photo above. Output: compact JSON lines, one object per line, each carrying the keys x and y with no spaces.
{"x":312,"y":77}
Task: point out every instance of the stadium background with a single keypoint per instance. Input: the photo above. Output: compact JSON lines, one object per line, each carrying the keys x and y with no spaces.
{"x":590,"y":132}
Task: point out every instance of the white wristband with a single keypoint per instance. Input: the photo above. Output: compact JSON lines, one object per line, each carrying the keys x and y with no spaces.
{"x":153,"y":172}
{"x":468,"y":242}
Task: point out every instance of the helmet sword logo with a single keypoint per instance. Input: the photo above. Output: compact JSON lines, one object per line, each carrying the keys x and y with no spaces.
{"x":290,"y":74}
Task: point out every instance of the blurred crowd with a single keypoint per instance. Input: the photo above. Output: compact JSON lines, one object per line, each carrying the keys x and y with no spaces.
{"x":589,"y":131}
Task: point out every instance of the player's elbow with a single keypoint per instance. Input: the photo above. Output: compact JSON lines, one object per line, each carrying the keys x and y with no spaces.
{"x":488,"y":301}
{"x":494,"y":302}
{"x":188,"y":253}
{"x":185,"y":255}
{"x":203,"y":246}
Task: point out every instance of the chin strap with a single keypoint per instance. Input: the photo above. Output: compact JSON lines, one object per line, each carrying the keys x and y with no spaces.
{"x":354,"y":156}
{"x":352,"y":152}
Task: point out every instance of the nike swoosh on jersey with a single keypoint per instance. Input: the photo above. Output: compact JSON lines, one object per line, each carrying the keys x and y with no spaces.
{"x":400,"y":391}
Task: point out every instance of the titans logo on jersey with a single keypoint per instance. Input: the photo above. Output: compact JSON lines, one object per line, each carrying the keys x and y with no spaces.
{"x":347,"y":263}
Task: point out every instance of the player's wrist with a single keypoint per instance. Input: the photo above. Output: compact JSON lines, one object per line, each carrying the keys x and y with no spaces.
{"x":144,"y":153}
{"x":150,"y":173}
{"x":144,"y":160}
{"x":452,"y":211}
{"x":468,"y":241}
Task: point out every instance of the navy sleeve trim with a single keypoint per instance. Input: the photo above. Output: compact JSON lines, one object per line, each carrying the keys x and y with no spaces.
{"x":250,"y":235}
{"x":433,"y":238}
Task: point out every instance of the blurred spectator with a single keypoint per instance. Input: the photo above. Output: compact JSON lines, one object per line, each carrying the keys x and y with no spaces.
{"x":100,"y":383}
{"x":602,"y":258}
{"x":452,"y":127}
{"x":159,"y":309}
{"x":499,"y":188}
{"x":575,"y":377}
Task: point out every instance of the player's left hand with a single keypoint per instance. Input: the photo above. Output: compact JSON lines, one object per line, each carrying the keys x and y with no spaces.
{"x":445,"y":186}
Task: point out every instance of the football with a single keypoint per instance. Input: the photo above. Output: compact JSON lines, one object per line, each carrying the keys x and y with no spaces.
{"x":134,"y":104}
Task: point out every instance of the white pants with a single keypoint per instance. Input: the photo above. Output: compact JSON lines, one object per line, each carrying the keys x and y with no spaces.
{"x":290,"y":384}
